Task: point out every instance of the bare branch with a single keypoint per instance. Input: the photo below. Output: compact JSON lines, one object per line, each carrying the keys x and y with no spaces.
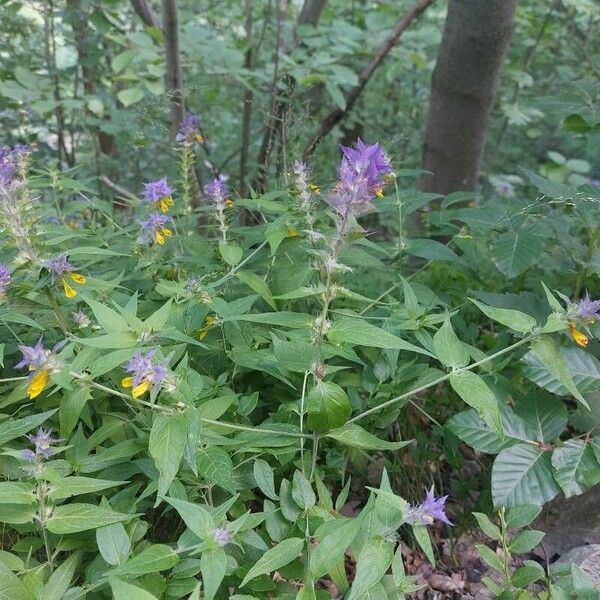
{"x":174,"y":75}
{"x":336,"y":115}
{"x":145,"y":13}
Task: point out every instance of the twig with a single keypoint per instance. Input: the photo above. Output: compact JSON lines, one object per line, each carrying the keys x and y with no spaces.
{"x":336,"y":115}
{"x":117,"y":188}
{"x":248,"y":96}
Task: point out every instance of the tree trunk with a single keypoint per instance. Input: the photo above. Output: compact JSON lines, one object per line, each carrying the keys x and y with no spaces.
{"x":464,"y":84}
{"x":174,"y":75}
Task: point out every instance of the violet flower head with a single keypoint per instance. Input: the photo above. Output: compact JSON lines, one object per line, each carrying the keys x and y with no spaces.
{"x":58,"y":266}
{"x":34,"y":357}
{"x":154,"y":230}
{"x":43,"y":442}
{"x":588,"y":309}
{"x":5,"y":278}
{"x":144,"y":373}
{"x":157,"y":190}
{"x":430,"y":509}
{"x":190,"y":129}
{"x":222,"y":536}
{"x":7,"y":166}
{"x":361,"y":177}
{"x":217,"y":191}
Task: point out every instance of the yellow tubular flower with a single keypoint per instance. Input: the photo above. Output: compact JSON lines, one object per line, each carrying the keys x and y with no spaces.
{"x":69,"y":291}
{"x":140,"y":389}
{"x":37,"y":384}
{"x":208,"y":323}
{"x":164,"y":204}
{"x":77,"y":278}
{"x":127,"y":382}
{"x":292,"y":232}
{"x":379,"y":193}
{"x":579,"y":338}
{"x":229,"y":203}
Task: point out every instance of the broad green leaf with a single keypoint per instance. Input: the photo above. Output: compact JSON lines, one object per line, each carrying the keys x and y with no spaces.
{"x":430,"y":249}
{"x":213,"y":566}
{"x":489,"y":557}
{"x":546,"y":416}
{"x":515,"y":252}
{"x":14,"y":428}
{"x":525,"y":541}
{"x":166,"y":446}
{"x":196,"y":517}
{"x":373,"y":561}
{"x":356,"y":437}
{"x":548,"y":187}
{"x":515,"y":319}
{"x":231,"y":253}
{"x":332,"y":548}
{"x":530,"y":571}
{"x":275,"y":558}
{"x":522,"y":474}
{"x":282,"y":318}
{"x":257,"y":284}
{"x":489,"y":528}
{"x":302,"y":492}
{"x":66,"y":487}
{"x":60,"y":580}
{"x":522,"y":515}
{"x":327,"y":407}
{"x":151,"y":559}
{"x":421,"y":534}
{"x":11,"y":587}
{"x":472,"y":430}
{"x":109,"y":319}
{"x":476,"y":393}
{"x":346,"y":330}
{"x":72,"y":518}
{"x":216,"y":466}
{"x":121,"y":60}
{"x":114,"y":543}
{"x":548,"y":353}
{"x":263,"y":475}
{"x":13,"y":492}
{"x":448,"y":348}
{"x":576,"y":467}
{"x":158,"y":319}
{"x":130,"y":96}
{"x":126,"y":591}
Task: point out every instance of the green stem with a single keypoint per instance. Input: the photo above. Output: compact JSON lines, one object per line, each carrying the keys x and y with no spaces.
{"x":302,"y":398}
{"x":57,"y":312}
{"x":235,"y":269}
{"x":590,"y":254}
{"x":400,"y":220}
{"x":422,"y":388}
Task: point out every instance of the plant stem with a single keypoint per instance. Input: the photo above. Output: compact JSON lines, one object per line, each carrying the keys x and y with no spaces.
{"x":590,"y":254}
{"x":422,"y":388}
{"x":235,"y":269}
{"x":302,"y":398}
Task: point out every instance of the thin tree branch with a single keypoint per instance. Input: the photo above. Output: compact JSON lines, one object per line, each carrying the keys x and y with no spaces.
{"x":145,"y":13}
{"x":248,"y":97}
{"x":117,"y":188}
{"x":336,"y":115}
{"x":174,"y":75}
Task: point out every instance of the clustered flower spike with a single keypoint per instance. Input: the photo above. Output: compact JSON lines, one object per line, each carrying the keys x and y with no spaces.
{"x":430,"y":509}
{"x":154,"y":230}
{"x":7,"y":165}
{"x":42,"y":442}
{"x":158,"y":193}
{"x":217,"y":191}
{"x":145,"y":374}
{"x":190,"y":129}
{"x":61,"y":268}
{"x":5,"y":278}
{"x":361,"y":178}
{"x":41,"y":363}
{"x":589,"y":309}
{"x":222,"y":536}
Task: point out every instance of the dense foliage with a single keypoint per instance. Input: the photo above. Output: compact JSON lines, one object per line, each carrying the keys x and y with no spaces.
{"x":200,"y":371}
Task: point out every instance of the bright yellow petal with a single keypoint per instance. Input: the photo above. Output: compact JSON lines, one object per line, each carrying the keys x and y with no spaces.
{"x":579,"y":338}
{"x":69,"y":291}
{"x":138,"y":390}
{"x":167,"y":232}
{"x":77,"y":278}
{"x":379,"y":193}
{"x":292,"y":232}
{"x":229,"y":203}
{"x":159,"y":237}
{"x":37,"y":384}
{"x":127,"y":382}
{"x":199,"y":138}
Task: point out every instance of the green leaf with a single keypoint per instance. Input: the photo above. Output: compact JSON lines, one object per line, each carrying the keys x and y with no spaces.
{"x":14,"y":428}
{"x":575,"y":123}
{"x":547,"y":351}
{"x":66,"y":487}
{"x":113,"y":543}
{"x":546,"y":416}
{"x":472,"y":430}
{"x":151,"y":559}
{"x":576,"y":467}
{"x":126,"y":591}
{"x":476,"y":393}
{"x":373,"y":561}
{"x":281,"y":318}
{"x":231,"y":253}
{"x":527,"y":574}
{"x":72,"y":518}
{"x":448,"y":348}
{"x":489,"y":528}
{"x":524,"y":541}
{"x":431,"y":250}
{"x":522,"y":515}
{"x":213,"y":567}
{"x":356,"y":437}
{"x":216,"y":466}
{"x":12,"y":492}
{"x":421,"y":534}
{"x":166,"y":446}
{"x":357,"y":332}
{"x":327,"y":407}
{"x":275,"y":558}
{"x":256,"y":283}
{"x":263,"y":475}
{"x":158,"y":319}
{"x":302,"y":491}
{"x":11,"y":587}
{"x":553,"y":189}
{"x":515,"y":319}
{"x":109,"y":319}
{"x":490,"y":557}
{"x":515,"y":252}
{"x":197,"y":518}
{"x":332,"y":548}
{"x":60,"y":580}
{"x":121,"y":60}
{"x":130,"y":96}
{"x":522,"y":474}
